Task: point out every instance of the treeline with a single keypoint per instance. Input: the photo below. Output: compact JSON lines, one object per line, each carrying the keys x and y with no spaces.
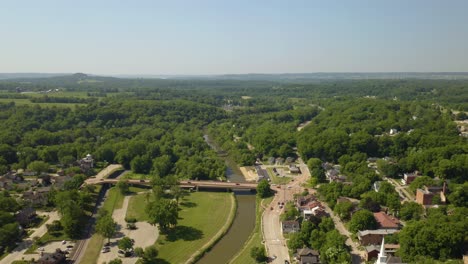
{"x":64,"y":100}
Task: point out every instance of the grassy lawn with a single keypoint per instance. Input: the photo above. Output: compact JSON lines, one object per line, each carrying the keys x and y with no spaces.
{"x":277,"y":180}
{"x":135,"y":176}
{"x":94,"y":248}
{"x":201,"y":216}
{"x":136,"y":207}
{"x":255,"y":239}
{"x":114,"y":200}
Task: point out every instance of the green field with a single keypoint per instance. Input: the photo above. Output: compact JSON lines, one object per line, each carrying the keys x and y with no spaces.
{"x":256,"y":238}
{"x":28,"y":102}
{"x":136,"y":207}
{"x":202,"y":215}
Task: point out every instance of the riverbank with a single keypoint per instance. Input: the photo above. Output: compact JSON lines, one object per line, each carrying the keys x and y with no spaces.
{"x":256,"y":237}
{"x":202,"y":216}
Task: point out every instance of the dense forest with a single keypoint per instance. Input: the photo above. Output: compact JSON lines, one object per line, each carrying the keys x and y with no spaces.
{"x":156,"y":127}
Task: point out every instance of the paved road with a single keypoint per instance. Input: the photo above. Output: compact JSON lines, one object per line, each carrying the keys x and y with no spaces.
{"x":274,"y":241}
{"x":18,"y":252}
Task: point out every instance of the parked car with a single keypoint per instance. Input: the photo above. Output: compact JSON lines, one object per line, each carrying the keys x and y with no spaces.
{"x":105,"y":249}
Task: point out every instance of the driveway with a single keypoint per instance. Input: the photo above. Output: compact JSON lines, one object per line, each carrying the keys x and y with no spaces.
{"x":18,"y":252}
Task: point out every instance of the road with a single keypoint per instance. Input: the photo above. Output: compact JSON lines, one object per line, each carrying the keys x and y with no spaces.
{"x":356,"y":254}
{"x":274,"y":241}
{"x":18,"y":252}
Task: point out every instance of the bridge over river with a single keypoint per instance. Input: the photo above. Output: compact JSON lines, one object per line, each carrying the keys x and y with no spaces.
{"x":182,"y":184}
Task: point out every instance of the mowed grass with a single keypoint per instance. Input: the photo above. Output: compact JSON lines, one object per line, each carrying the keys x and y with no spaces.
{"x":256,"y":238}
{"x":277,"y":180}
{"x":201,"y":216}
{"x":137,"y":206}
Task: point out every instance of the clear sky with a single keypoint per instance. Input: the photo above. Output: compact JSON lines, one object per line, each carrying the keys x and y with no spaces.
{"x":218,"y":37}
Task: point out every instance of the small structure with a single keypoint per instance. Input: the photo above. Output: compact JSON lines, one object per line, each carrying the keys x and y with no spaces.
{"x":373,"y":237}
{"x":386,"y":221}
{"x":86,"y":163}
{"x":290,"y":226}
{"x":307,"y":256}
{"x":393,"y":131}
{"x":376,"y":186}
{"x":409,"y":177}
{"x":58,"y":257}
{"x":294,"y":169}
{"x":315,"y":209}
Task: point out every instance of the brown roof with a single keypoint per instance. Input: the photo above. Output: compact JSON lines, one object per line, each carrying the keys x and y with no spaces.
{"x":386,"y":221}
{"x":307,"y":251}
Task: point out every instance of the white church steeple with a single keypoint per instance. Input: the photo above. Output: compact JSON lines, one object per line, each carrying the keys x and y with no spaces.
{"x":382,"y":258}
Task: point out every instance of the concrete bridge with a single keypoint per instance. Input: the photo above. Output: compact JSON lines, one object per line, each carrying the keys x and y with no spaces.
{"x":182,"y":184}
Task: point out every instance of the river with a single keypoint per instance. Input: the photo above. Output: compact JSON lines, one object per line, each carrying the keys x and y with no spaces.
{"x":244,"y":222}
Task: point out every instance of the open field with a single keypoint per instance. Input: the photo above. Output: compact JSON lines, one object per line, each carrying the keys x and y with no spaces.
{"x":256,"y":238}
{"x":200,"y":219}
{"x":277,"y":179}
{"x":28,"y":102}
{"x":136,"y":207}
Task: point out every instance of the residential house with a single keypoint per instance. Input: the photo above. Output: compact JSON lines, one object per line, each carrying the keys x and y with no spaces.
{"x":289,"y":160}
{"x":279,"y":161}
{"x":307,"y":256}
{"x":261,"y":173}
{"x":39,"y":197}
{"x":386,"y":221}
{"x":315,"y":209}
{"x":409,"y":177}
{"x":26,"y":216}
{"x":290,"y":226}
{"x":373,"y":237}
{"x":271,"y":160}
{"x":303,"y":201}
{"x":58,"y":257}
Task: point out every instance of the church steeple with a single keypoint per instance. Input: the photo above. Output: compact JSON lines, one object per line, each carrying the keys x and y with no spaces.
{"x":382,"y":258}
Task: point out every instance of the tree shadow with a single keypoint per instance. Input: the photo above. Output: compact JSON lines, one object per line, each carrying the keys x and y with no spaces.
{"x":161,"y":261}
{"x":188,"y":204}
{"x":186,"y":233}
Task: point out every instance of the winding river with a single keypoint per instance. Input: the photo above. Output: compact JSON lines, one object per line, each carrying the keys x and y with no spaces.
{"x":244,"y":222}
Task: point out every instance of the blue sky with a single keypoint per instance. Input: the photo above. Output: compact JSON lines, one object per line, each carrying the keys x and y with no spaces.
{"x":218,"y":37}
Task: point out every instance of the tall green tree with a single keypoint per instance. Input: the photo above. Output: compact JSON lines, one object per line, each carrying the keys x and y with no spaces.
{"x":362,"y":220}
{"x":264,"y":189}
{"x":105,"y":225}
{"x":163,"y":212}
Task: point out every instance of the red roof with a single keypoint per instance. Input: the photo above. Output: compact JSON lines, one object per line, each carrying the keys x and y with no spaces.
{"x":386,"y":221}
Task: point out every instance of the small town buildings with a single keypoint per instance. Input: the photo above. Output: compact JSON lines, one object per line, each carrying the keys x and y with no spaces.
{"x":39,"y":197}
{"x":261,"y":173}
{"x":289,"y":160}
{"x":373,"y":237}
{"x":316,"y":210}
{"x":307,"y":256}
{"x":290,"y":226}
{"x":409,"y":177}
{"x":372,"y":251}
{"x":386,"y":221}
{"x":279,"y":161}
{"x":303,"y":201}
{"x":58,"y":257}
{"x":425,"y":196}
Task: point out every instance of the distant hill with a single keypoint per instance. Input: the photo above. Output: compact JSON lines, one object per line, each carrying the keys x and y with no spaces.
{"x":4,"y":76}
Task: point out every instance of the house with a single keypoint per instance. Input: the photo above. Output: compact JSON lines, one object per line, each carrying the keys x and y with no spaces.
{"x":302,"y":201}
{"x":307,"y":256}
{"x":5,"y":183}
{"x":386,"y":221}
{"x":314,"y":209}
{"x":58,"y":257}
{"x":373,"y":237}
{"x":59,"y":181}
{"x":86,"y":163}
{"x":409,"y":177}
{"x":289,"y":160}
{"x":393,"y":131}
{"x":271,"y":160}
{"x":26,"y":216}
{"x":261,"y":173}
{"x":294,"y":169}
{"x":279,"y":161}
{"x":426,"y":195}
{"x":290,"y":226}
{"x":39,"y":197}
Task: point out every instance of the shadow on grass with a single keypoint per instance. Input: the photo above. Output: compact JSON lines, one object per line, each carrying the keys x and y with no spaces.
{"x":161,"y":261}
{"x":188,"y":204}
{"x":186,"y":233}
